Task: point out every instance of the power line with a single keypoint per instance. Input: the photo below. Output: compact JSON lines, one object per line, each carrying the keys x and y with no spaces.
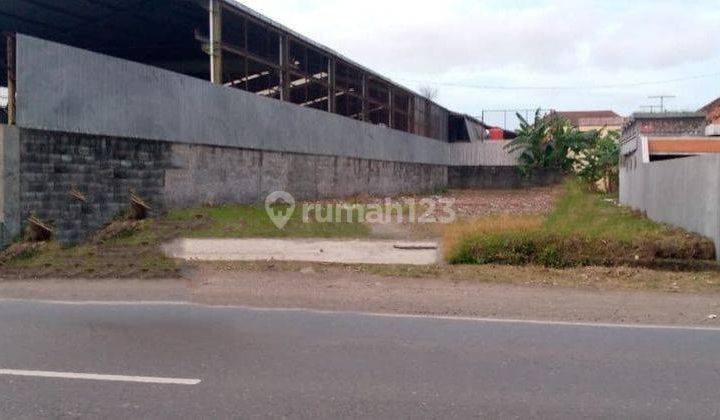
{"x":588,"y":87}
{"x":662,"y":98}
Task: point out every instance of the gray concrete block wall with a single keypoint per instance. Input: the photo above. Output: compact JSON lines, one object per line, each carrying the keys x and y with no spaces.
{"x":482,"y":153}
{"x":682,"y":192}
{"x":499,"y":177}
{"x":48,"y":165}
{"x":214,"y":175}
{"x":211,"y":175}
{"x":9,"y":183}
{"x":104,"y":169}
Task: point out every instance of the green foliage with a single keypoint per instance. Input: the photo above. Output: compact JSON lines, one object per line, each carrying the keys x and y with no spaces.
{"x":600,"y":160}
{"x":532,"y":143}
{"x":549,"y":142}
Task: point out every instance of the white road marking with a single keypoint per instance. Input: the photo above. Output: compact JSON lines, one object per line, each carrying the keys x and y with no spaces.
{"x":372,"y":314}
{"x":97,"y":377}
{"x":472,"y":319}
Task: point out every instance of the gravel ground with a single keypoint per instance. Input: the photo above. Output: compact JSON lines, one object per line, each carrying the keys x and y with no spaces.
{"x":345,"y":290}
{"x":478,"y":203}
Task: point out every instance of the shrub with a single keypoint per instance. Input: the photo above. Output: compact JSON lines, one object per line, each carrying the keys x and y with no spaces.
{"x":560,"y":251}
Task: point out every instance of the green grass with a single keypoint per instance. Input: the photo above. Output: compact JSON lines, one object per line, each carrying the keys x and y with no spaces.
{"x":238,"y":221}
{"x":131,"y":249}
{"x":583,"y":229}
{"x":586,"y":214}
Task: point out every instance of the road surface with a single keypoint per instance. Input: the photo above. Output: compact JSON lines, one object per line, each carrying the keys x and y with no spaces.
{"x":133,"y":360}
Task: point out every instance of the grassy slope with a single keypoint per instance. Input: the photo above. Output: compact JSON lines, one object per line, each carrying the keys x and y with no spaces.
{"x":128,"y":249}
{"x":590,"y":215}
{"x":234,"y":221}
{"x":583,"y":229}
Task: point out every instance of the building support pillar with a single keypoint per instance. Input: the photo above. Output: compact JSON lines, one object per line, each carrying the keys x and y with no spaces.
{"x":364,"y":97}
{"x":216,"y":64}
{"x":284,"y":61}
{"x":391,"y":107}
{"x":332,"y":86}
{"x":11,"y":78}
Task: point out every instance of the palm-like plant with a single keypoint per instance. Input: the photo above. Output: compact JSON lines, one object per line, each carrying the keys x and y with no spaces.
{"x":532,"y":144}
{"x":550,"y":142}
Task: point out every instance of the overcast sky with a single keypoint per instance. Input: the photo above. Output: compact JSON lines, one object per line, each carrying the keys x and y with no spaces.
{"x":517,"y":43}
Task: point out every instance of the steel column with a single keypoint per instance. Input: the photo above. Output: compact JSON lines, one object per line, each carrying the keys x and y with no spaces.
{"x":364,"y":112}
{"x":391,"y":107}
{"x":216,"y":42}
{"x":332,"y":90}
{"x":11,"y":87}
{"x":284,"y":61}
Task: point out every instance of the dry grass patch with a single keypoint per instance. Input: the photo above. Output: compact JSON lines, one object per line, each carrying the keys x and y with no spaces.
{"x":584,"y":229}
{"x":454,"y":234}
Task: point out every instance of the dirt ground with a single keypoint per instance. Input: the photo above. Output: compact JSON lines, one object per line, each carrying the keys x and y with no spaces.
{"x":342,"y":289}
{"x":478,"y":203}
{"x":589,"y":294}
{"x":371,"y":293}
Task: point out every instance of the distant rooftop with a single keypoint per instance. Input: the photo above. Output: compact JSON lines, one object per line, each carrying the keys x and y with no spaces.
{"x":663,"y":115}
{"x":602,"y":117}
{"x":712,"y":104}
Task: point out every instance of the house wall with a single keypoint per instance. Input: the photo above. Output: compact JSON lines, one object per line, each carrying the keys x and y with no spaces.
{"x":603,"y":128}
{"x":684,"y":192}
{"x":669,"y":125}
{"x":713,"y":112}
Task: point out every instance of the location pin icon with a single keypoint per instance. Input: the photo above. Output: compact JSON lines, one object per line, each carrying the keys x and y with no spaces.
{"x":280,"y":207}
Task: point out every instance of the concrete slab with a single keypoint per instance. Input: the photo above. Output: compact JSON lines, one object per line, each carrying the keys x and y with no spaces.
{"x":303,"y":250}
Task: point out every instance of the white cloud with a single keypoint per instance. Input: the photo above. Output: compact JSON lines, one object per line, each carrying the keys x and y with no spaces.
{"x":522,"y":42}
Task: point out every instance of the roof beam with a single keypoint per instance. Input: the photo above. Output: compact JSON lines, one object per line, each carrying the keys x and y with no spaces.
{"x":323,"y":99}
{"x":294,"y":84}
{"x":247,"y":78}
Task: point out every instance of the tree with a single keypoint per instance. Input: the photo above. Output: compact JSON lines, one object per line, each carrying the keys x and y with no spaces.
{"x":600,"y":162}
{"x":549,"y":142}
{"x":532,"y":144}
{"x":428,"y":92}
{"x":552,"y":142}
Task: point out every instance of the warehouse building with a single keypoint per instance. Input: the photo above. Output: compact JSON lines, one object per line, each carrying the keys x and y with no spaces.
{"x":247,"y":51}
{"x":187,"y":102}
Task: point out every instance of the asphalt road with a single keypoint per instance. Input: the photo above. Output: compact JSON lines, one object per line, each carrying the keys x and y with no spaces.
{"x":303,"y":364}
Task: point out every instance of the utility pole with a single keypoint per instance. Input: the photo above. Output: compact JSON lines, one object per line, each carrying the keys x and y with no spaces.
{"x":662,"y":100}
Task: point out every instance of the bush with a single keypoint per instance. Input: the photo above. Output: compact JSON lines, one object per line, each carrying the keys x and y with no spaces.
{"x":583,"y":229}
{"x":549,"y":142}
{"x":561,"y":251}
